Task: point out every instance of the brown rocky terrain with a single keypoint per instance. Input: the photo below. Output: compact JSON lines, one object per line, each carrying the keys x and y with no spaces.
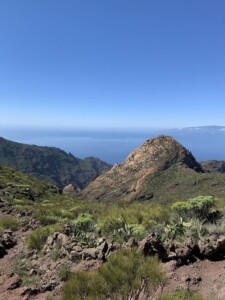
{"x":194,"y":266}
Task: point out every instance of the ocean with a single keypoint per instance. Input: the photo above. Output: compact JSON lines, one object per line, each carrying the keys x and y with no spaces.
{"x":113,"y":145}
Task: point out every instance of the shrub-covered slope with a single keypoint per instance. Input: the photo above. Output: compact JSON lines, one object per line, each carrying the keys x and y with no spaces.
{"x":50,"y":163}
{"x":47,"y":238}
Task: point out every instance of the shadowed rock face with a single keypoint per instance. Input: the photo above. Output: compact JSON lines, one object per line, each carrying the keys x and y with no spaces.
{"x":129,"y":180}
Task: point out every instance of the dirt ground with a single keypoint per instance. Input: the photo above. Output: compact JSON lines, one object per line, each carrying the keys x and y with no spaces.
{"x":205,"y":276}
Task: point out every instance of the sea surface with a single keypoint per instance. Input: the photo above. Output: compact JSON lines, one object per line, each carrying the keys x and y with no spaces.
{"x":114,"y":145}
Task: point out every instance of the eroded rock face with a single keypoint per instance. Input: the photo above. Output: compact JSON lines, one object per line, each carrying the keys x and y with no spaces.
{"x":130,"y":179}
{"x":152,"y":245}
{"x":212,"y":245}
{"x":7,"y":241}
{"x":181,"y":251}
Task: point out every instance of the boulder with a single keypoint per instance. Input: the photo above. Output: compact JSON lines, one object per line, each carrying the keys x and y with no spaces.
{"x":2,"y":250}
{"x":7,"y":241}
{"x":152,"y":245}
{"x":70,"y":189}
{"x":57,"y":239}
{"x":75,"y":256}
{"x":102,"y":249}
{"x":90,"y":253}
{"x":47,"y":285}
{"x":181,"y":251}
{"x":211,"y":245}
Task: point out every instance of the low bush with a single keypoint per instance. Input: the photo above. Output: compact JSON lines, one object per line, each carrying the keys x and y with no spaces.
{"x":20,"y":267}
{"x":126,"y":275}
{"x":9,"y":222}
{"x":39,"y":236}
{"x":143,"y":216}
{"x":182,"y":295}
{"x":64,"y":273}
{"x":84,"y":222}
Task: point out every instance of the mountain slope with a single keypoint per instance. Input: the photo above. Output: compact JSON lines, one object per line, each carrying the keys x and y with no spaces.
{"x":50,"y":163}
{"x":217,"y":166}
{"x":160,"y":169}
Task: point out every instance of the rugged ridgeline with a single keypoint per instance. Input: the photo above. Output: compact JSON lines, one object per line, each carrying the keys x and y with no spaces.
{"x":50,"y":163}
{"x":161,"y":169}
{"x":217,"y":166}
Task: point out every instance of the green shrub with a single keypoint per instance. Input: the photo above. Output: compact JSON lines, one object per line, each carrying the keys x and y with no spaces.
{"x":126,"y":275}
{"x":47,"y":220}
{"x":84,"y":222}
{"x":9,"y":222}
{"x":198,"y":207}
{"x":56,"y":254}
{"x":182,"y":295}
{"x":39,"y":236}
{"x":176,"y":228}
{"x":64,"y":273}
{"x":145,"y":214}
{"x":20,"y":267}
{"x":129,"y":230}
{"x":80,"y":286}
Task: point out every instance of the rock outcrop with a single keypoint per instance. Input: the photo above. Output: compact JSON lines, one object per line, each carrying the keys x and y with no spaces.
{"x":7,"y":241}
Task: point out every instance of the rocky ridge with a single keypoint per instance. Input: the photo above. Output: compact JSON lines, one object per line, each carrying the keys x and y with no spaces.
{"x":50,"y":163}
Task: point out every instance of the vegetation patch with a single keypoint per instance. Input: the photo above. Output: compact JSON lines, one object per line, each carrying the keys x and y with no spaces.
{"x":38,"y":237}
{"x":9,"y":222}
{"x":126,"y":275}
{"x":182,"y":295}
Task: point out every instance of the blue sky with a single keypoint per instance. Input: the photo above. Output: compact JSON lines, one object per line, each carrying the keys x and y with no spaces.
{"x":112,"y":63}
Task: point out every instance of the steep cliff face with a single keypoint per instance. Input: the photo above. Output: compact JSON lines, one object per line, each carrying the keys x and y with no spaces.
{"x":133,"y":180}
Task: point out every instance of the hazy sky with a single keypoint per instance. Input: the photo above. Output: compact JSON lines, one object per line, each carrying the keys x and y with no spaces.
{"x":112,"y":63}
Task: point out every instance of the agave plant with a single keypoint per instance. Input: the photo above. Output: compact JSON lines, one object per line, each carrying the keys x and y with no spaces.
{"x":176,"y":228}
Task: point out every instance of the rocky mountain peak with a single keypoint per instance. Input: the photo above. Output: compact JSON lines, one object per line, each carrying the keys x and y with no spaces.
{"x":126,"y":180}
{"x":161,"y":152}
